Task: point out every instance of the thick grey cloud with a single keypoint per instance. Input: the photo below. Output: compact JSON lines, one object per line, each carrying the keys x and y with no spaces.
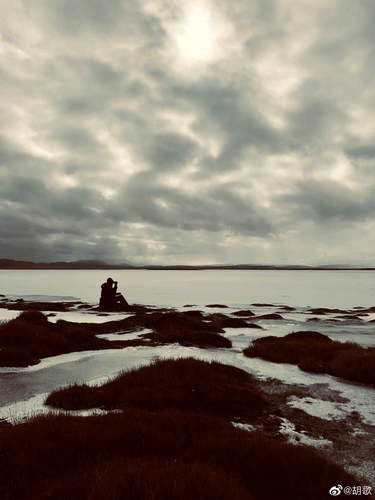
{"x":187,"y":131}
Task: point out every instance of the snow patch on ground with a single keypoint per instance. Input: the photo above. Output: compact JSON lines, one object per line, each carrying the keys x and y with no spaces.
{"x":361,"y":399}
{"x":8,"y":314}
{"x":327,"y":410}
{"x":244,"y":427}
{"x":35,"y":405}
{"x":288,"y":429}
{"x":241,"y":338}
{"x":125,"y":336}
{"x":85,"y":317}
{"x":24,"y":409}
{"x":53,"y":361}
{"x":76,"y":316}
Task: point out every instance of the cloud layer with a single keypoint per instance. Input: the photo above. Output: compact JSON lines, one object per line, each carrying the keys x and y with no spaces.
{"x":187,"y":131}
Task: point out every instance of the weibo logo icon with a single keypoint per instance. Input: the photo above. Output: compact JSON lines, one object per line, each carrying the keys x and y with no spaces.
{"x":335,"y":491}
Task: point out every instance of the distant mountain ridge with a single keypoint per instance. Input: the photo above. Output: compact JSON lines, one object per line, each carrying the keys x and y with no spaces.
{"x":99,"y":264}
{"x":77,"y":264}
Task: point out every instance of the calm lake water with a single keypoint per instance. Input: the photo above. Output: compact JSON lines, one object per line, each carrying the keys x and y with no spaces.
{"x":176,"y":288}
{"x":23,"y":390}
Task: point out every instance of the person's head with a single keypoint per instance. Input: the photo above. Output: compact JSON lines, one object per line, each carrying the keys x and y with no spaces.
{"x":109,"y":281}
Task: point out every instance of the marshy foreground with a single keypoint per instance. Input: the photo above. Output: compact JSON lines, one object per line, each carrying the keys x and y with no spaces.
{"x":229,"y":404}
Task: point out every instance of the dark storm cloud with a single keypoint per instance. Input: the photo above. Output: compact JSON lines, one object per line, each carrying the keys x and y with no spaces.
{"x":77,"y":139}
{"x":214,"y":209}
{"x":228,"y":110}
{"x":125,"y":134}
{"x":73,"y":16}
{"x":170,"y":150}
{"x":327,"y":202}
{"x":365,"y":151}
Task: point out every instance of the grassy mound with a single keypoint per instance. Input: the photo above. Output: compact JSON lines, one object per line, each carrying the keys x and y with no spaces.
{"x":189,"y":338}
{"x":140,"y":455}
{"x":244,"y":312}
{"x":187,"y":328}
{"x":326,"y":310}
{"x":314,"y":352}
{"x":183,"y":384}
{"x":30,"y":337}
{"x":271,"y":316}
{"x":223,"y":321}
{"x":23,"y":305}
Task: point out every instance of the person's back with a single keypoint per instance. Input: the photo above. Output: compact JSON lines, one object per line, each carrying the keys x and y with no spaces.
{"x":110,"y":300}
{"x":107,"y":296}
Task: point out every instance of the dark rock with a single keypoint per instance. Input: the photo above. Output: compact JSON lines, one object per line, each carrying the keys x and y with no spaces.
{"x":222,"y":306}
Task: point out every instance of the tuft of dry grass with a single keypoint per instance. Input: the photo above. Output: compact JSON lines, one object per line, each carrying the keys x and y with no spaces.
{"x":244,"y":312}
{"x":30,"y":337}
{"x":314,"y":352}
{"x":186,"y":328}
{"x":142,"y":455}
{"x":185,"y":384}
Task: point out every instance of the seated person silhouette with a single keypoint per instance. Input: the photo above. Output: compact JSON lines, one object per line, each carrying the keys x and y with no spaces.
{"x":110,"y":299}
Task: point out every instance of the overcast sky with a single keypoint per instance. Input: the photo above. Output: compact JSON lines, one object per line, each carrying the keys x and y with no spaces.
{"x":188,"y":131}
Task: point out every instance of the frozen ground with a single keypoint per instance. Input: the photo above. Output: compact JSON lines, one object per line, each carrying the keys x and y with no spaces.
{"x":288,"y":429}
{"x":24,"y":390}
{"x":22,"y":384}
{"x":128,"y":336}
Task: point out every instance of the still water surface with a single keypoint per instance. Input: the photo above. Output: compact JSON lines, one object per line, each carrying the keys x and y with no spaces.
{"x":176,"y":288}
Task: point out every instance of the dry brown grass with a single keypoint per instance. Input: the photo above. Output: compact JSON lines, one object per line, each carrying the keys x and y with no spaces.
{"x":314,"y":352}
